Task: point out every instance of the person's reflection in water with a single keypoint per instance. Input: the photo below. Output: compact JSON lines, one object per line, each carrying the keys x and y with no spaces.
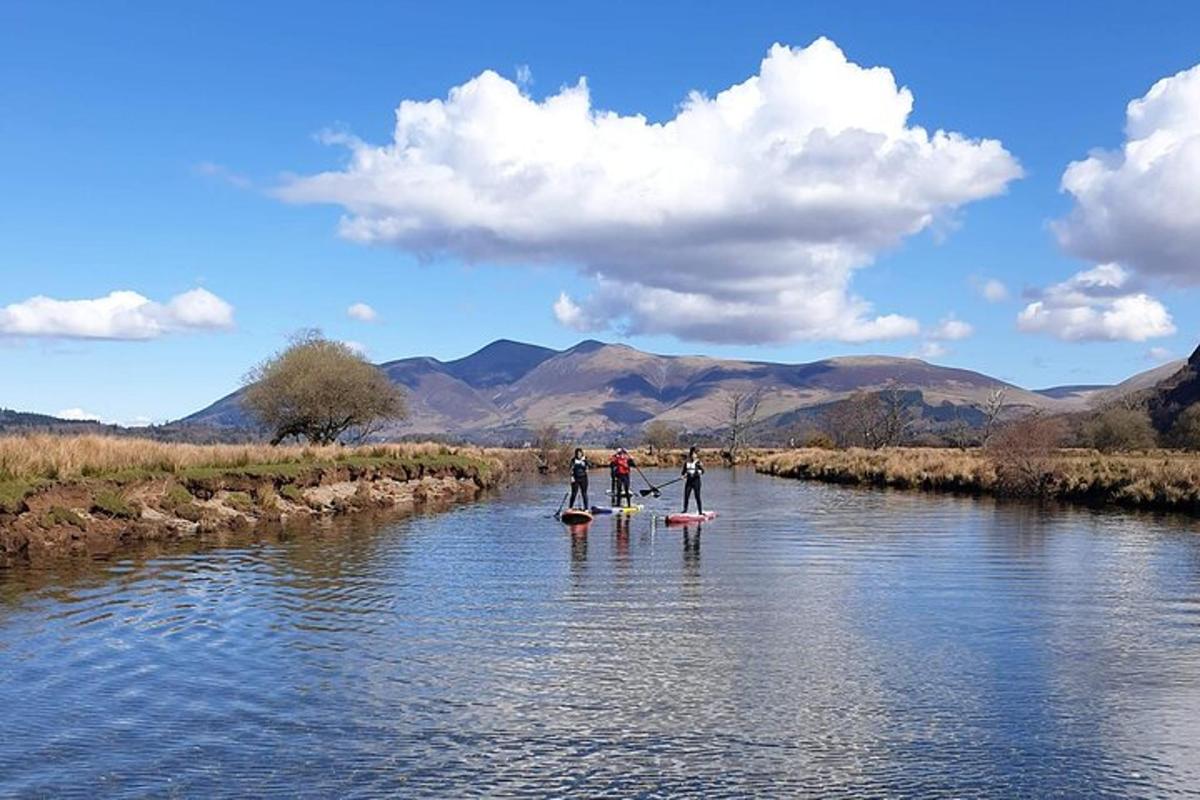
{"x":691,"y":551}
{"x":578,"y":545}
{"x":622,"y":538}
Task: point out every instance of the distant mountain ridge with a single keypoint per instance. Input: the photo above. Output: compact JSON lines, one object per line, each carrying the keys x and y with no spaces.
{"x":597,"y":392}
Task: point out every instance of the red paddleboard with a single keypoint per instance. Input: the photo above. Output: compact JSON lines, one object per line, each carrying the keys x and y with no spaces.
{"x":680,"y":519}
{"x":575,"y":516}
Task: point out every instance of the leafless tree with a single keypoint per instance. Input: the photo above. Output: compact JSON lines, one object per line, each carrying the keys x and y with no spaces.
{"x":741,"y":412}
{"x":993,"y":407}
{"x":659,"y":436}
{"x":1022,"y":453}
{"x":895,"y":417}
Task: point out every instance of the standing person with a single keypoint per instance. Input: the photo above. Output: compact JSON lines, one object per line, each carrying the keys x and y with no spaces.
{"x":614,"y":493}
{"x":579,"y":479}
{"x":692,"y":470}
{"x":621,"y":464}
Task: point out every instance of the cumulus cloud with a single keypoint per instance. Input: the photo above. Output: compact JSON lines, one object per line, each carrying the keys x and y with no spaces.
{"x":951,"y":329}
{"x":78,"y":414}
{"x":362,"y":312}
{"x":740,"y":219}
{"x":118,"y":315}
{"x":931,"y":349}
{"x":1159,"y":354}
{"x":1140,"y":205}
{"x":993,"y":291}
{"x":1099,"y":304}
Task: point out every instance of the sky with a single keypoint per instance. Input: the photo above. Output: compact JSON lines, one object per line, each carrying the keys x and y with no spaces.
{"x":1012,"y":188}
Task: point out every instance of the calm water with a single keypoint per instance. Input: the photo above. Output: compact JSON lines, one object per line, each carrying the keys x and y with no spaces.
{"x":812,"y":641}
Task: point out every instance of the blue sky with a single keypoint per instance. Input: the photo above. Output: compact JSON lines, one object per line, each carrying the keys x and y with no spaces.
{"x":145,"y":147}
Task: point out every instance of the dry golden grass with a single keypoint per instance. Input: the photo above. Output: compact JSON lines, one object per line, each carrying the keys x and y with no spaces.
{"x":1154,"y":479}
{"x":42,"y":456}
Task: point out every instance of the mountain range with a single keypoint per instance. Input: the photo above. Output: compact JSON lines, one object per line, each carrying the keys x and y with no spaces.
{"x":597,"y":392}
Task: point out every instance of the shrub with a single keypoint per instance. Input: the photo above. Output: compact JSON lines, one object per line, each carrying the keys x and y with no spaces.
{"x":1022,"y":454}
{"x":820,"y":441}
{"x":1119,"y":429}
{"x":1185,"y":433}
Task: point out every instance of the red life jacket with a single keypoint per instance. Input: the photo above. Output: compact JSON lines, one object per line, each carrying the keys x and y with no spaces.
{"x":621,"y":462}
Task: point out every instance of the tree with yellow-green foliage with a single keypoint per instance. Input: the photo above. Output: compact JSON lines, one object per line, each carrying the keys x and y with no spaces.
{"x":320,"y":390}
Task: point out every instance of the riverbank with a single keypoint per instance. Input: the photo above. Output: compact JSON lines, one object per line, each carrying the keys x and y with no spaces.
{"x":1159,"y":480}
{"x":89,"y":494}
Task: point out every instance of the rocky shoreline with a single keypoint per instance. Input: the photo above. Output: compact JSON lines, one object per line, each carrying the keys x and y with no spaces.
{"x":92,"y":516}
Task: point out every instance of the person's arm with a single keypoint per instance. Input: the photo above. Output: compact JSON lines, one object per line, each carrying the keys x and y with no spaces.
{"x":699,"y":466}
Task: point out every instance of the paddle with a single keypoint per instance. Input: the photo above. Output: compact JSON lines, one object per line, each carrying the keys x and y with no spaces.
{"x":560,"y":505}
{"x":655,"y":490}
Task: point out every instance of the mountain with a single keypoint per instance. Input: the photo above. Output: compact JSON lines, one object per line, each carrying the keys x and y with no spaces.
{"x":598,"y":392}
{"x":1168,"y":398}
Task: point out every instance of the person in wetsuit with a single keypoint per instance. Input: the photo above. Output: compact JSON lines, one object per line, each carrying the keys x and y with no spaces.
{"x":579,"y":479}
{"x":692,"y":470}
{"x":621,"y":464}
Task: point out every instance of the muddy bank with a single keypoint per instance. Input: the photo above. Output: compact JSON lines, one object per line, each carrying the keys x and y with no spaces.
{"x":89,"y":516}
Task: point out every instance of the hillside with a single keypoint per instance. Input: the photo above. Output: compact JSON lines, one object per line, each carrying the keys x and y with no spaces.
{"x":597,"y":392}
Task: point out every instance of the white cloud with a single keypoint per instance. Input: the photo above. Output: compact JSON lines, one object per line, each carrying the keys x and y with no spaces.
{"x":932,"y":350}
{"x":362,"y":312}
{"x":1140,"y":206}
{"x":1097,"y":304}
{"x":1159,"y":354}
{"x":993,"y":291}
{"x":118,"y":315}
{"x":951,"y":329}
{"x":222,"y":173}
{"x":741,"y":219}
{"x":77,"y":414}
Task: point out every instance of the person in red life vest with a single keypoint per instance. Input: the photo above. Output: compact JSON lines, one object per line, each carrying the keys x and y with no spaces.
{"x":621,"y":463}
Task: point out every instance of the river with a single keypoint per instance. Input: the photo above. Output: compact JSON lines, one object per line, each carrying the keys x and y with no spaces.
{"x":814,"y":640}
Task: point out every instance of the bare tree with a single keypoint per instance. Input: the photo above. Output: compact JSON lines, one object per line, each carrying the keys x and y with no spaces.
{"x":856,"y":421}
{"x":741,"y":414}
{"x":895,"y":417}
{"x":552,"y":452}
{"x":993,"y":407}
{"x":659,"y":436}
{"x":1022,"y":453}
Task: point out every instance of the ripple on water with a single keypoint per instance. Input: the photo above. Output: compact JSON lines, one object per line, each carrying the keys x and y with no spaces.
{"x":814,"y":640}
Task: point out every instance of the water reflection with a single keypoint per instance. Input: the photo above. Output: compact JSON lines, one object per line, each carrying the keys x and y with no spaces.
{"x":830,"y":642}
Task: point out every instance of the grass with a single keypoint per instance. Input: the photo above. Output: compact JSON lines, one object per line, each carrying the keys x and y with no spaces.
{"x":112,"y":504}
{"x":1153,"y":479}
{"x":48,"y":457}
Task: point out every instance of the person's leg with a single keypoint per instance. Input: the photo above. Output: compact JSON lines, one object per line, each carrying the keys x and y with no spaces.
{"x":688,"y":488}
{"x":583,"y":486}
{"x":574,"y":491}
{"x":699,"y":502}
{"x":625,"y":489}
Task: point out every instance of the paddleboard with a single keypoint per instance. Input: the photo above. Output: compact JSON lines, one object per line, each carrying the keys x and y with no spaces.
{"x":575,"y":516}
{"x":617,"y":509}
{"x":679,"y":519}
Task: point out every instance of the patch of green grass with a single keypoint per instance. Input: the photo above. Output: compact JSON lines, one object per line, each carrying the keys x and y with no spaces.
{"x":59,"y":515}
{"x":189,"y":511}
{"x":176,"y":497}
{"x":239,"y":501}
{"x":292,"y":493}
{"x":112,"y":504}
{"x":14,"y":492}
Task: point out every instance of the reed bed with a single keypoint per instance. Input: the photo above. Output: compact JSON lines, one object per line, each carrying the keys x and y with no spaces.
{"x":1152,"y":479}
{"x":49,"y":457}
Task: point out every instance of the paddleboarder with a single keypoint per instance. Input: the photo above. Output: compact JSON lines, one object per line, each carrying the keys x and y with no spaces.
{"x":579,"y":479}
{"x":621,"y":464}
{"x":692,"y":470}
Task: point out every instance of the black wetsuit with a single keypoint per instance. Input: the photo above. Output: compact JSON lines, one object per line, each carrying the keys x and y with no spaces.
{"x":579,"y":481}
{"x":692,"y":471}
